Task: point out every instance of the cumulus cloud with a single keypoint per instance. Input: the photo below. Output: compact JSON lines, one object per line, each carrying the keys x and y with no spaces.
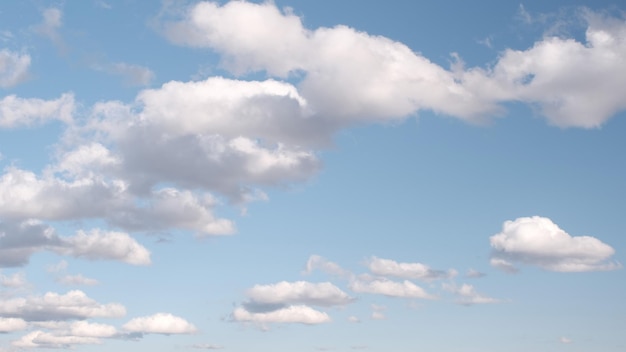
{"x":540,"y":242}
{"x":300,"y":292}
{"x":53,"y":306}
{"x":25,"y":195}
{"x":382,"y":286}
{"x":289,"y":302}
{"x":19,"y":240}
{"x":160,"y":323}
{"x":12,"y":324}
{"x":388,"y":267}
{"x":16,"y":112}
{"x":291,"y":314}
{"x":13,"y":68}
{"x":374,"y":78}
{"x":41,"y":339}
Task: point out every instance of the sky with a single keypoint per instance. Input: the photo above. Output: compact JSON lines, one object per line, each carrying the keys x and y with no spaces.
{"x":312,"y":176}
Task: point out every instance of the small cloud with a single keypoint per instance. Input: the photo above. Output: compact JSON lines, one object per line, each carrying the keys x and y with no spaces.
{"x":540,"y":242}
{"x":160,"y":323}
{"x":354,"y":319}
{"x":419,"y":271}
{"x":565,"y":340}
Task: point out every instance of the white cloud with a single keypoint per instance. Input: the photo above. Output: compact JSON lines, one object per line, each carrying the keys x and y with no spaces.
{"x":289,"y":302}
{"x":97,"y":245}
{"x":381,"y":286}
{"x":540,"y":242}
{"x":41,"y":339}
{"x":13,"y":68}
{"x":388,"y":267}
{"x":374,"y":78}
{"x":16,"y":112}
{"x":316,"y":262}
{"x":160,"y":323}
{"x":18,"y":241}
{"x":25,"y":195}
{"x":53,"y":306}
{"x":12,"y":324}
{"x":299,"y":292}
{"x":565,"y":340}
{"x":292,"y":314}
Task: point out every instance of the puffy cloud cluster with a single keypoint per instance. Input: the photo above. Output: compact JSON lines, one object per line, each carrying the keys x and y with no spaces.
{"x":53,"y":306}
{"x":540,"y":242}
{"x":386,"y":287}
{"x":375,"y":78}
{"x":19,"y":240}
{"x":289,"y":302}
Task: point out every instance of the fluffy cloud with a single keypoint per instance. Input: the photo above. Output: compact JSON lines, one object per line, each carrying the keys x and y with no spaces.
{"x":372,"y":77}
{"x":160,"y":323}
{"x":404,"y":289}
{"x":291,"y":314}
{"x":289,"y":302}
{"x":300,"y":292}
{"x":540,"y":242}
{"x":15,"y":111}
{"x":18,"y":241}
{"x":15,"y":281}
{"x":12,"y":324}
{"x":388,"y":267}
{"x":13,"y":68}
{"x":41,"y":339}
{"x":24,"y":195}
{"x":54,"y":306}
{"x":375,"y":78}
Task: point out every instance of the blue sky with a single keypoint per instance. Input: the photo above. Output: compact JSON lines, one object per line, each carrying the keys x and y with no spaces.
{"x":312,"y":176}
